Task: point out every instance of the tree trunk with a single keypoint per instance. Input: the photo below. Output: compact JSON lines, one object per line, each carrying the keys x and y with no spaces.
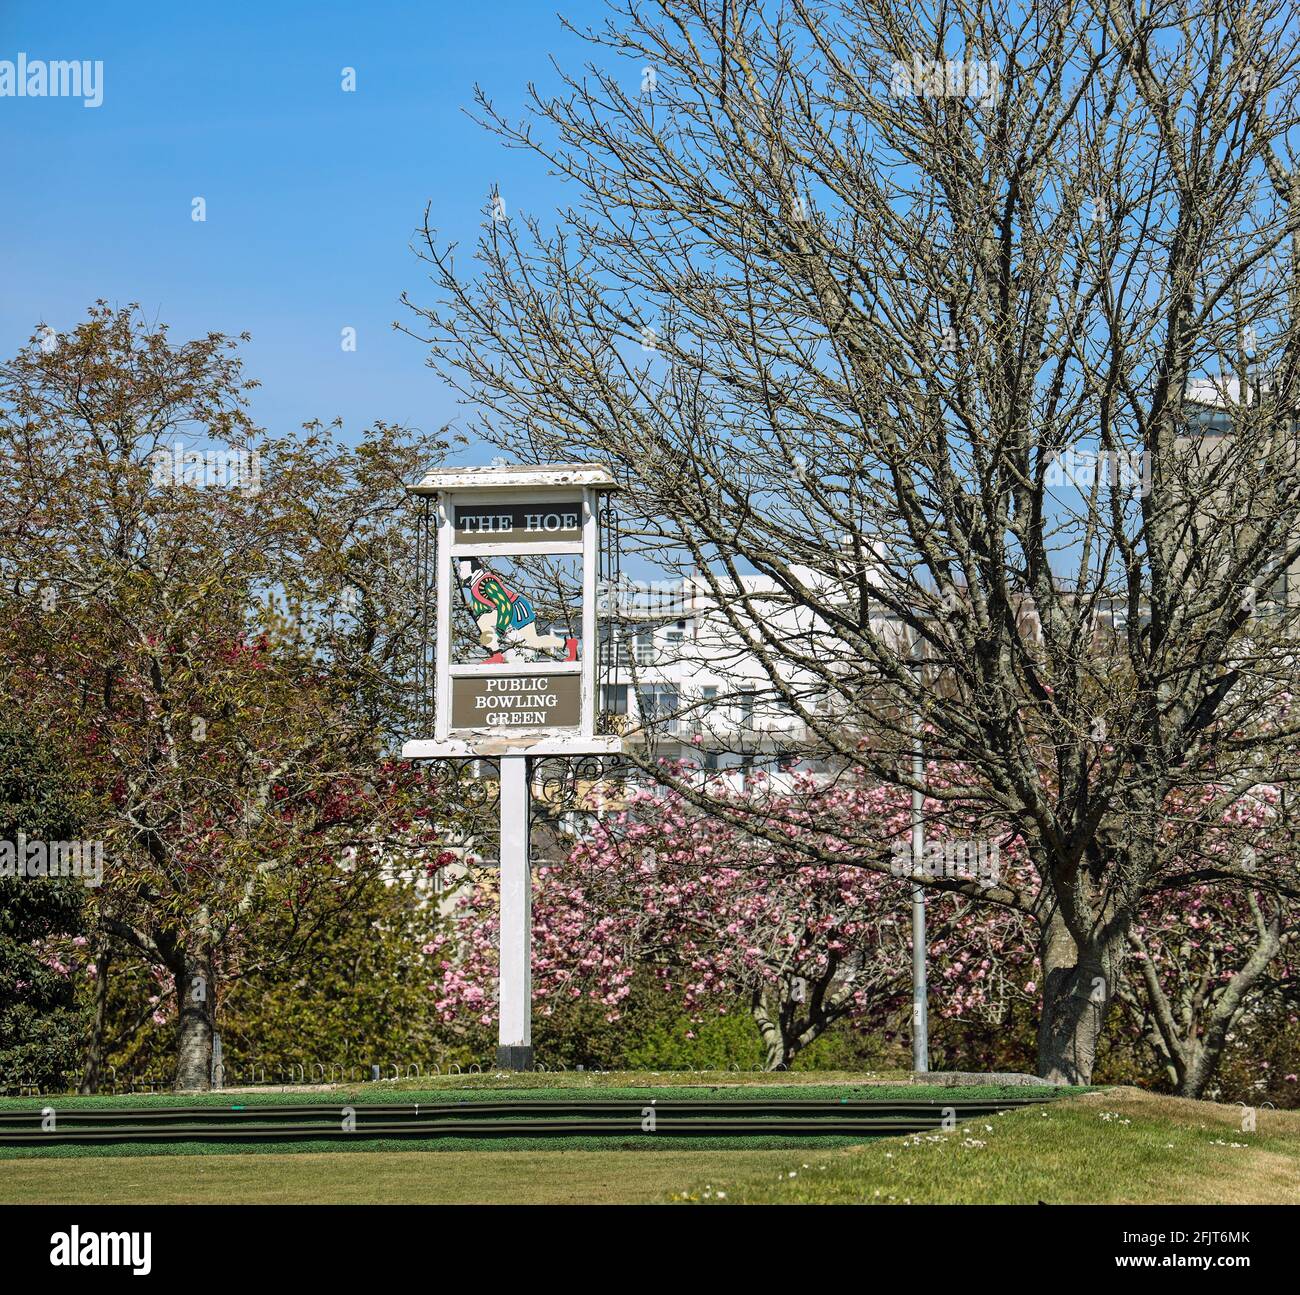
{"x":1078,"y":985}
{"x":774,"y":1043}
{"x":786,"y":1033}
{"x":92,"y":1068}
{"x":195,"y":991}
{"x":1193,"y":1052}
{"x":1198,"y":1070}
{"x":1201,"y":1056}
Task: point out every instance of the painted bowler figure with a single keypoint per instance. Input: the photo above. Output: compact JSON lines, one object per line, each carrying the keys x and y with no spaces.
{"x":508,"y":623}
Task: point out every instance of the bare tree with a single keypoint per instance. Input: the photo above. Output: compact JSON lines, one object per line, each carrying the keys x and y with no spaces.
{"x":971,"y":332}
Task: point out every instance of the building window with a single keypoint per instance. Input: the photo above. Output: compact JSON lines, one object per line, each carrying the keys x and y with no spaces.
{"x":613,"y":698}
{"x":658,"y":703}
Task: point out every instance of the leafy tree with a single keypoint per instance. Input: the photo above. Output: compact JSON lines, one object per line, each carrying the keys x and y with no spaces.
{"x":355,"y":994}
{"x":213,"y":641}
{"x":41,"y":1022}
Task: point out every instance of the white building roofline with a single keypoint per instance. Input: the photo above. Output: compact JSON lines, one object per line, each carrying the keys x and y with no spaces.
{"x":1225,"y":391}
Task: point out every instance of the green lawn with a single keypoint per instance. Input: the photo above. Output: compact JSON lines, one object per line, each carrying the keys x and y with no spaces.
{"x":1118,"y":1145}
{"x":370,"y":1178}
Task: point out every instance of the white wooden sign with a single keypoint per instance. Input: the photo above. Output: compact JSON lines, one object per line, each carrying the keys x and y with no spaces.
{"x":515,"y":676}
{"x":532,"y":688}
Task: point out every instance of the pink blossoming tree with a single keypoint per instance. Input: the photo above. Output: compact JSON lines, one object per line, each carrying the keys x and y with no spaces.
{"x":725,"y":919}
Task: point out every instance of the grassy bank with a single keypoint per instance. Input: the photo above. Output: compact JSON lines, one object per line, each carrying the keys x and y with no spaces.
{"x":1110,"y":1147}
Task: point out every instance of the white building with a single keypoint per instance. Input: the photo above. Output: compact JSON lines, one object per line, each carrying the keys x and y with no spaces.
{"x":678,"y":674}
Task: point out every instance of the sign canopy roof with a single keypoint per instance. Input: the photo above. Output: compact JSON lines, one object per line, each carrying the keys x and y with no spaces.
{"x":517,"y":476}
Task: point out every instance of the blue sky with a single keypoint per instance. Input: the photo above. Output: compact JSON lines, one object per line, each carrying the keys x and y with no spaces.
{"x":312,"y":194}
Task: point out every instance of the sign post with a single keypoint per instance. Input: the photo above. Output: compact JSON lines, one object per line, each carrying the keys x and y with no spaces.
{"x":515,"y":993}
{"x":515,"y":663}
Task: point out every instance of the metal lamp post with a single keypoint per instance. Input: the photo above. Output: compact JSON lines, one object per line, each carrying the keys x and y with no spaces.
{"x":920,"y":988}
